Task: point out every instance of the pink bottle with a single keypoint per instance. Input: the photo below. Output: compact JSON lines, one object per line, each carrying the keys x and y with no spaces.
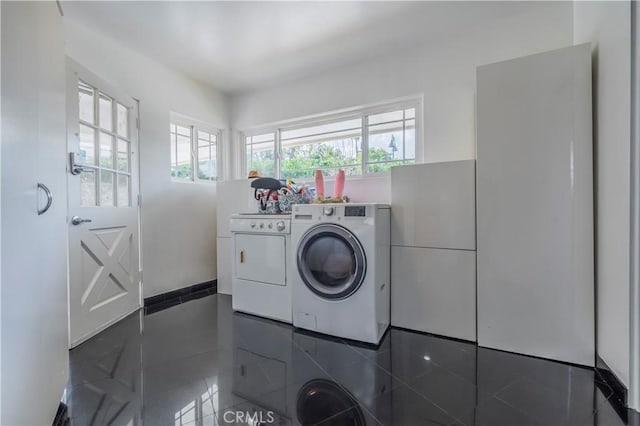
{"x":319,"y":184}
{"x":338,"y":189}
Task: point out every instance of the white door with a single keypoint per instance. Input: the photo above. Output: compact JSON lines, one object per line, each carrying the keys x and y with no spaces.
{"x":34,"y":265}
{"x":104,"y":277}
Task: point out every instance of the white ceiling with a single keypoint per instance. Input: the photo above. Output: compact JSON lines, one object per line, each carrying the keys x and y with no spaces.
{"x":238,"y":46}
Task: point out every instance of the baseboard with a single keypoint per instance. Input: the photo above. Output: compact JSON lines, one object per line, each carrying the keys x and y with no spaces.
{"x":619,"y":398}
{"x":62,"y":416}
{"x":165,"y":300}
{"x":428,"y":333}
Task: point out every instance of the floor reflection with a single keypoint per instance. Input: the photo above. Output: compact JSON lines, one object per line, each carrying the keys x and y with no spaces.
{"x":199,"y":363}
{"x":105,"y":383}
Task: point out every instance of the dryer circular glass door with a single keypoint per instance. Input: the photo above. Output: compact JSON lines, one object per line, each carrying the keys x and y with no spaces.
{"x":331,"y":261}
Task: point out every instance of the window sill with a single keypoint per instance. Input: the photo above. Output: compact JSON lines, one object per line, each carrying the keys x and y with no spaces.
{"x":194,"y":182}
{"x":332,"y":179}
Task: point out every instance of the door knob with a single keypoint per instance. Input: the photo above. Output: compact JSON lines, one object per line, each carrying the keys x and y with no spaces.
{"x":77,"y":220}
{"x":75,"y":169}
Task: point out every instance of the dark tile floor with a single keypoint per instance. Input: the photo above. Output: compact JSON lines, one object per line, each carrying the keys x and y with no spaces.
{"x":198,"y":363}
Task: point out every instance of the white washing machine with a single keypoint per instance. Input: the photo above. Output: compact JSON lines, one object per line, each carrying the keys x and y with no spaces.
{"x":261,"y":266}
{"x":341,"y":273}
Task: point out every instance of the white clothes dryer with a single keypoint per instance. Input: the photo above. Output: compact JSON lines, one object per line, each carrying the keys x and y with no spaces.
{"x":341,"y":273}
{"x":260,"y":280}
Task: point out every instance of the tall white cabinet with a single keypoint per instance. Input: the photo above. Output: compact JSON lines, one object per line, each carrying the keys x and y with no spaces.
{"x":535,"y":206}
{"x":34,"y":355}
{"x":433,"y":242}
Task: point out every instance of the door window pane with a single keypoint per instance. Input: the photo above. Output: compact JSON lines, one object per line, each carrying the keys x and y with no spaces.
{"x":88,"y":188}
{"x":87,"y":152}
{"x":106,"y":150}
{"x":106,"y":119}
{"x":124,"y":193}
{"x":123,"y":155}
{"x":106,"y":188}
{"x":123,"y":121}
{"x":85,"y":95}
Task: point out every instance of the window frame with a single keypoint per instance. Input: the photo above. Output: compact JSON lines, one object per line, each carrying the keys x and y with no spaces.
{"x":361,"y":112}
{"x":243,"y":151}
{"x":195,"y":126}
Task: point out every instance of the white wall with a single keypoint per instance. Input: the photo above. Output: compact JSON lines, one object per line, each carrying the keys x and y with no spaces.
{"x":0,"y":226}
{"x":178,"y":219}
{"x":607,"y":26}
{"x":443,"y":70}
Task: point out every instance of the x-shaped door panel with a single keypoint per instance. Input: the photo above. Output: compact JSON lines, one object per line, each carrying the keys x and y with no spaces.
{"x":109,"y":252}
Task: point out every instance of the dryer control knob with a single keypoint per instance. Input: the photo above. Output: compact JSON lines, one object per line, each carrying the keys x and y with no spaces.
{"x":261,"y":225}
{"x":280,"y":225}
{"x":252,"y":224}
{"x":328,"y":211}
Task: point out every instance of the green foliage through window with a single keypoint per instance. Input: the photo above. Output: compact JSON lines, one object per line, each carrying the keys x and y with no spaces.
{"x":182,"y":171}
{"x":389,"y":140}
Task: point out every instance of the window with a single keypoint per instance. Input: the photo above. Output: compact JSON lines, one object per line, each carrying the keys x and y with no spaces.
{"x":181,"y":156}
{"x":260,"y":151}
{"x":370,"y":140}
{"x":392,"y":139}
{"x":104,"y":150}
{"x":194,"y":151}
{"x":206,"y":154}
{"x":330,"y":147}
